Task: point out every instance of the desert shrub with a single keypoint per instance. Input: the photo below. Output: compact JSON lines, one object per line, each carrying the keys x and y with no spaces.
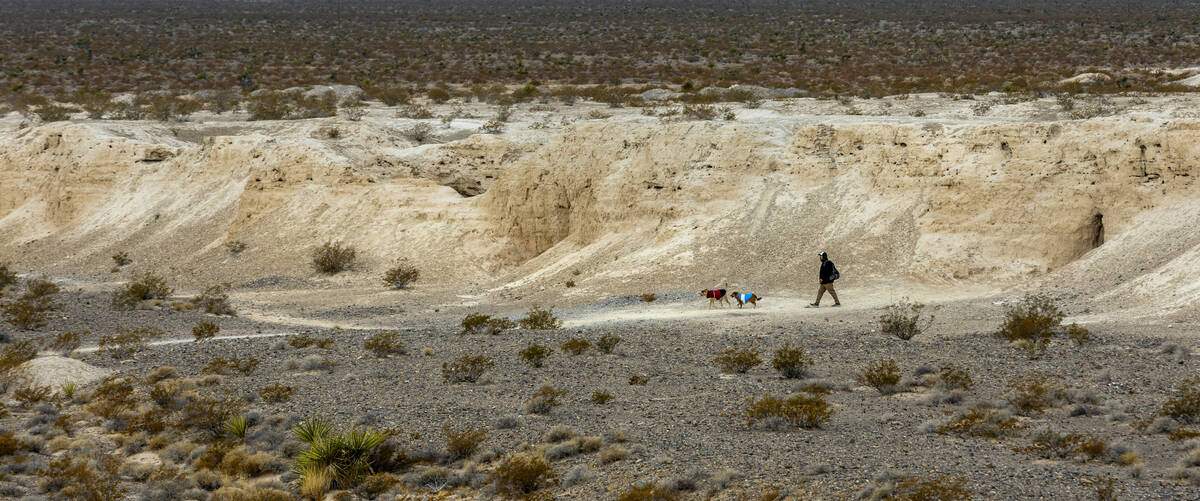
{"x":1104,"y":488}
{"x":29,"y":396}
{"x":391,"y":95}
{"x":802,"y":410}
{"x":1185,"y":406}
{"x":540,"y":319}
{"x":477,"y":323}
{"x":492,"y":127}
{"x":112,"y":397}
{"x":601,"y":398}
{"x":121,"y":258}
{"x":1033,"y":393}
{"x":215,"y":300}
{"x":699,"y":111}
{"x":638,"y":380}
{"x":7,"y":276}
{"x":124,"y":343}
{"x":354,"y":113}
{"x":791,"y":362}
{"x":162,"y":373}
{"x":903,"y":319}
{"x":236,"y":426}
{"x":15,"y":354}
{"x":570,"y":283}
{"x":649,"y":297}
{"x":235,"y":246}
{"x":739,"y":361}
{"x":304,"y":340}
{"x":649,"y":491}
{"x":882,"y":375}
{"x":81,"y":479}
{"x":466,"y":369}
{"x":40,"y":291}
{"x":461,"y":444}
{"x":1051,"y":444}
{"x":276,"y":393}
{"x":1066,"y":101}
{"x":607,"y":343}
{"x":952,"y":377}
{"x":1031,"y":322}
{"x":205,"y":330}
{"x":142,"y":287}
{"x":535,"y":355}
{"x":333,"y":257}
{"x":419,"y":132}
{"x":384,"y":344}
{"x":65,"y":342}
{"x":346,"y":457}
{"x":10,"y":445}
{"x":545,"y":400}
{"x":24,"y":314}
{"x":1079,"y":335}
{"x":68,"y":390}
{"x":401,"y":275}
{"x":980,"y":421}
{"x":938,"y":488}
{"x":576,"y":346}
{"x":523,"y":473}
{"x":207,"y":414}
{"x":227,"y":367}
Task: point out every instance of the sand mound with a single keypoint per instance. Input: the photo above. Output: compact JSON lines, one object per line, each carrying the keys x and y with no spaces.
{"x":53,"y":371}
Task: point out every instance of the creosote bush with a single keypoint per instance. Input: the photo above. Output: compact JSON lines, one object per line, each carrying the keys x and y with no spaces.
{"x":607,"y":343}
{"x":540,"y":319}
{"x":230,"y":366}
{"x":333,"y":257}
{"x":384,"y":344}
{"x":462,"y":443}
{"x":215,"y":300}
{"x":791,"y":362}
{"x":1033,"y":393}
{"x":903,"y":319}
{"x":65,"y":342}
{"x":142,"y":287}
{"x":304,"y":340}
{"x":938,"y":488}
{"x":401,"y":275}
{"x":204,"y":331}
{"x":545,"y":400}
{"x":576,"y":346}
{"x":535,"y":355}
{"x":638,"y":380}
{"x":125,"y":342}
{"x":276,"y":393}
{"x":523,"y":473}
{"x":1079,"y":335}
{"x":600,"y":397}
{"x":882,"y":375}
{"x":84,"y":479}
{"x":981,"y":421}
{"x":476,"y":323}
{"x":739,"y":361}
{"x":649,"y":491}
{"x":1051,"y":444}
{"x":952,"y":377}
{"x":1031,"y":324}
{"x":24,"y":314}
{"x":467,"y":369}
{"x":1185,"y":406}
{"x":15,"y":354}
{"x":801,"y":410}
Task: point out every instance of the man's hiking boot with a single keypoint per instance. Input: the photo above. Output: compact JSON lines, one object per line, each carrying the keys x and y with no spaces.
{"x":813,"y":305}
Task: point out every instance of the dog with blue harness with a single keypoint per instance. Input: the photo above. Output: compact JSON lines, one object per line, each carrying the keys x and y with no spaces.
{"x":746,"y":297}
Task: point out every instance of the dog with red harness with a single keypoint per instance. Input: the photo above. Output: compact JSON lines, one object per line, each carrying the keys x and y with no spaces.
{"x":716,"y":295}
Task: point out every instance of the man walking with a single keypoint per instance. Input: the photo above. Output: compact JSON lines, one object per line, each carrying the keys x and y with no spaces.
{"x":827,"y":276}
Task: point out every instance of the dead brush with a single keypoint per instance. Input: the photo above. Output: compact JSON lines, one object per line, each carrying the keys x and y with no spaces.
{"x":463,"y":443}
{"x":883,"y":375}
{"x":24,"y":314}
{"x":467,"y":369}
{"x":477,"y":323}
{"x":65,"y":342}
{"x":521,"y":474}
{"x":545,"y":400}
{"x":649,"y":491}
{"x":981,"y":421}
{"x":903,"y":319}
{"x":384,"y":344}
{"x":72,"y":477}
{"x":738,"y":361}
{"x":332,"y":257}
{"x":16,"y":353}
{"x":215,"y":300}
{"x":142,"y":287}
{"x":952,"y":377}
{"x":800,"y":410}
{"x":1050,"y":444}
{"x":30,"y":396}
{"x":276,"y":393}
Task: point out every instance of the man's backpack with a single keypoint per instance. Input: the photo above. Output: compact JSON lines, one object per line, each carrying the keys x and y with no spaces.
{"x":835,"y":275}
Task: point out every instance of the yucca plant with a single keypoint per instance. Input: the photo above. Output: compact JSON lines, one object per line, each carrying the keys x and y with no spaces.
{"x":312,"y":429}
{"x":346,"y":457}
{"x":237,"y":426}
{"x":68,"y":389}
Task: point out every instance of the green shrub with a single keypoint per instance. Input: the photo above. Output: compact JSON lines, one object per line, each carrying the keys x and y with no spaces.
{"x":142,"y":287}
{"x":384,"y":344}
{"x":346,"y":457}
{"x":236,"y":426}
{"x":205,"y":330}
{"x":792,"y":363}
{"x":802,"y":410}
{"x":883,"y":375}
{"x":215,"y":300}
{"x":903,"y":319}
{"x":540,"y":319}
{"x":576,"y":346}
{"x":401,"y":275}
{"x":1032,"y":323}
{"x":607,"y":343}
{"x":535,"y":355}
{"x":522,"y":473}
{"x":333,"y":257}
{"x":1185,"y":406}
{"x":476,"y":323}
{"x":733,"y":360}
{"x":467,"y":369}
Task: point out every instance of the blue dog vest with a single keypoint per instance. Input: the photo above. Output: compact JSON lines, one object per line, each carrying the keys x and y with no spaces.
{"x":745,"y":297}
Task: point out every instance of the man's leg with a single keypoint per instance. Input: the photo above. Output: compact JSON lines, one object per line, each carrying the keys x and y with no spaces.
{"x":833,"y":293}
{"x":820,"y":292}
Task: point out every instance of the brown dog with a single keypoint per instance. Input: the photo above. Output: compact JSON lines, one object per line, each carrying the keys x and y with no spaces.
{"x":716,"y":295}
{"x":746,"y":297}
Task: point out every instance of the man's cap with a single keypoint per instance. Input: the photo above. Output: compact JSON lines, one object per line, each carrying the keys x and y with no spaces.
{"x":822,"y":253}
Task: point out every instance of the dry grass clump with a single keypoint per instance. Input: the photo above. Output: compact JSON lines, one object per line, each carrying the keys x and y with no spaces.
{"x":540,"y":319}
{"x":576,"y":346}
{"x":535,"y":355}
{"x":801,"y":410}
{"x":142,"y":287}
{"x":401,"y":275}
{"x":461,"y":444}
{"x":952,"y":377}
{"x":230,"y":366}
{"x":981,"y":421}
{"x":476,"y":323}
{"x":276,"y":393}
{"x":600,"y":397}
{"x":304,"y":340}
{"x":883,"y":375}
{"x":739,"y":361}
{"x":1185,"y":407}
{"x":607,"y":343}
{"x":205,"y":330}
{"x":791,"y":362}
{"x":903,"y":319}
{"x":523,"y":473}
{"x":28,"y":397}
{"x":649,"y":491}
{"x":545,"y":400}
{"x":1032,"y":394}
{"x":384,"y":344}
{"x":124,"y":343}
{"x":333,"y":257}
{"x":65,"y":342}
{"x":467,"y":369}
{"x":215,"y":300}
{"x":1050,"y":444}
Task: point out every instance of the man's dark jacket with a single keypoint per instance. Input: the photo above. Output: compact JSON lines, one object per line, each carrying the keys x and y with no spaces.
{"x":826,"y":271}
